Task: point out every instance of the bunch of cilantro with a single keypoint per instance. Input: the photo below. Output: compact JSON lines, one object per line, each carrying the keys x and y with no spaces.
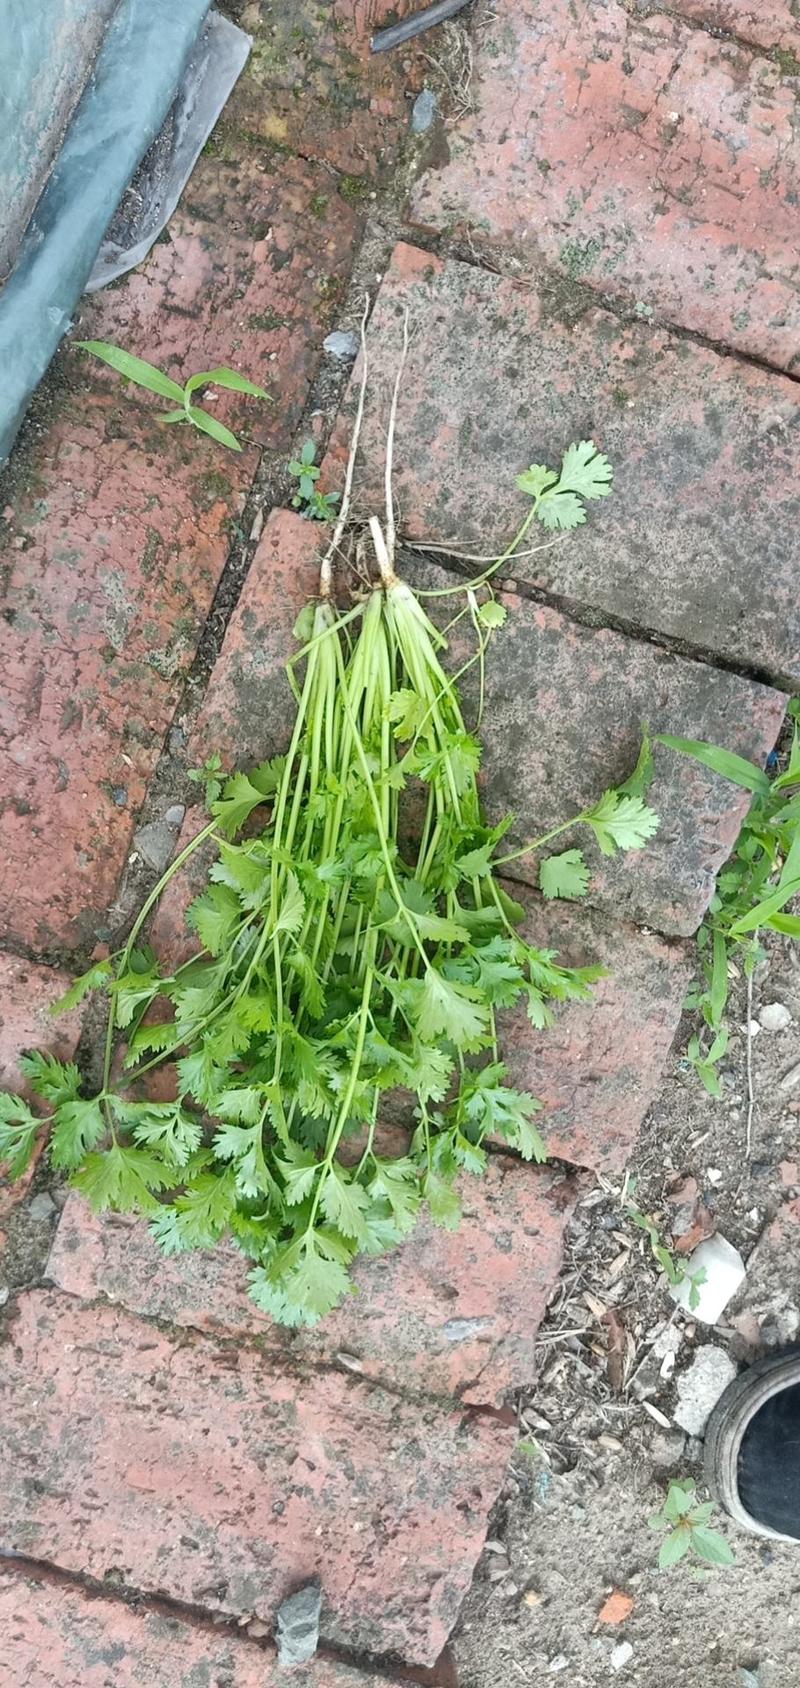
{"x":339,"y":973}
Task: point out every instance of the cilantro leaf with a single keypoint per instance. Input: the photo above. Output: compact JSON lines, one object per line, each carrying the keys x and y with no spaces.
{"x":444,"y":1008}
{"x":214,"y":917}
{"x":55,"y":1081}
{"x":344,"y":1202}
{"x":167,"y":1126}
{"x":19,"y":1127}
{"x":240,"y":796}
{"x":537,"y":479}
{"x":564,"y":876}
{"x":79,"y":1125}
{"x":123,"y":1179}
{"x":492,"y":614}
{"x":621,"y":822}
{"x":95,"y":978}
{"x":585,"y":470}
{"x":561,"y":512}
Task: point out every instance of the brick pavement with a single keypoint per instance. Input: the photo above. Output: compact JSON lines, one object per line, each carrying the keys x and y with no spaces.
{"x":161,"y":1439}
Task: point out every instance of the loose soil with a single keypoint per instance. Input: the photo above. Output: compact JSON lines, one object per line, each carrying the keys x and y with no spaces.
{"x":593,"y":1464}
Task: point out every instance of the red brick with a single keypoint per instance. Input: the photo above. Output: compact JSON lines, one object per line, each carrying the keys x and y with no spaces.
{"x":207,"y":1474}
{"x":26,"y":993}
{"x":598,"y":1068}
{"x":769,"y":24}
{"x":642,"y":156}
{"x":311,"y":83}
{"x":248,"y":275}
{"x":116,"y":542}
{"x":54,"y":1636}
{"x":447,"y":1313}
{"x":699,"y":540}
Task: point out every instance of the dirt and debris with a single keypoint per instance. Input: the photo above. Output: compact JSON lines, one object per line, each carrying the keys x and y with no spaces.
{"x":601,"y":1435}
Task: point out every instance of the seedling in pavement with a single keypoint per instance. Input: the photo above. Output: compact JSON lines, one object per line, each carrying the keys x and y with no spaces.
{"x":317,"y":506}
{"x":155,"y":381}
{"x":686,"y":1521}
{"x":752,"y":891}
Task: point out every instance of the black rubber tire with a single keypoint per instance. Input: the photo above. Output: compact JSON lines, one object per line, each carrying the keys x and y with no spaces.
{"x":729,"y":1420}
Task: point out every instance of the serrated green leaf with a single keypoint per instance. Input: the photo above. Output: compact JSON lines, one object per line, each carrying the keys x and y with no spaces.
{"x":292,"y":907}
{"x":78,"y":1127}
{"x":215,"y":916}
{"x":19,"y":1128}
{"x":123,"y":1179}
{"x":585,"y":470}
{"x":344,"y":1203}
{"x":536,"y":479}
{"x":491,"y":614}
{"x":620,"y":822}
{"x":561,"y":511}
{"x":55,"y":1081}
{"x":240,"y":796}
{"x":443,"y":1202}
{"x":168,"y":1127}
{"x":94,"y":979}
{"x":444,"y":1008}
{"x":564,"y":876}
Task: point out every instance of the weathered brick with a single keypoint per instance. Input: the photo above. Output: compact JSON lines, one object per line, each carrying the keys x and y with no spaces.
{"x":598,"y":1068}
{"x":446,"y":1313}
{"x":771,"y":24}
{"x":311,"y":84}
{"x":26,"y":993}
{"x":208,"y":1474}
{"x":248,"y":275}
{"x":116,"y":541}
{"x":640,"y":155}
{"x":699,"y":540}
{"x":54,"y":1636}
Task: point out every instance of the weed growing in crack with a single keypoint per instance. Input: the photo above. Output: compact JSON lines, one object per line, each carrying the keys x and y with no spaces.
{"x":752,"y":892}
{"x":147,"y":375}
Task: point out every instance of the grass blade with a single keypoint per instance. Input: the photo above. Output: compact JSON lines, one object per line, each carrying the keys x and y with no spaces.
{"x":133,"y":369}
{"x":209,"y":425}
{"x":723,"y":762}
{"x":224,"y":377}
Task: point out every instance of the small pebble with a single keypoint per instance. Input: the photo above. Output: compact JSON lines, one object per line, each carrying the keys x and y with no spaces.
{"x":775,"y":1017}
{"x":667,"y":1448}
{"x":423,"y":111}
{"x":4,"y":1294}
{"x":791,"y":1078}
{"x":560,"y":1662}
{"x":42,"y":1206}
{"x":621,"y":1656}
{"x":342,"y":344}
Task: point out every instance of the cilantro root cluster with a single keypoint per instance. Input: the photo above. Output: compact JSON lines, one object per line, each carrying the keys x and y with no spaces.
{"x":342,"y":976}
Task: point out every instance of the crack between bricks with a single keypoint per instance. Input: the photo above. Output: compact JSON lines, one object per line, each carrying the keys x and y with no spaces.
{"x":303,"y":1368}
{"x":597,"y":618}
{"x":47,"y":1573}
{"x":700,"y":26}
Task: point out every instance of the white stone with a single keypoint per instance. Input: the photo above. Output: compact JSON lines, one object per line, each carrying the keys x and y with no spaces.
{"x":621,"y":1656}
{"x":724,"y":1273}
{"x":775,"y":1017}
{"x":700,"y":1387}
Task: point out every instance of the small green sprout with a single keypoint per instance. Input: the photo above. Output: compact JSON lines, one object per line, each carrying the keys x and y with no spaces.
{"x":316,"y":506}
{"x":687,"y":1522}
{"x":146,"y":375}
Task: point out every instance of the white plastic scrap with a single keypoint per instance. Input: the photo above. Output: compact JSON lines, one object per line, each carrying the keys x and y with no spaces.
{"x":724,"y":1271}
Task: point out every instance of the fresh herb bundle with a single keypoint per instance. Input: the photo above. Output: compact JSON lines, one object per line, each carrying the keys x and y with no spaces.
{"x":338,"y":973}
